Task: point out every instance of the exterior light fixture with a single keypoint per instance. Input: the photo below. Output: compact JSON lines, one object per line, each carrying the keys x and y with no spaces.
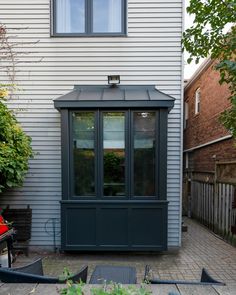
{"x":144,"y":115}
{"x":113,"y":80}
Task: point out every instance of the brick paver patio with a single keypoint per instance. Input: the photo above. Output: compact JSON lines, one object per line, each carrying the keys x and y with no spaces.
{"x":200,"y":248}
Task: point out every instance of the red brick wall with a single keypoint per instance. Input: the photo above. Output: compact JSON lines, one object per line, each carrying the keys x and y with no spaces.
{"x":205,"y":126}
{"x":204,"y":158}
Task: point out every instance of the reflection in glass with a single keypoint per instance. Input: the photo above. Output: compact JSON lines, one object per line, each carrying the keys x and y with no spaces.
{"x":84,"y":154}
{"x":70,"y":16}
{"x":107,"y":16}
{"x":114,"y":153}
{"x":144,"y":153}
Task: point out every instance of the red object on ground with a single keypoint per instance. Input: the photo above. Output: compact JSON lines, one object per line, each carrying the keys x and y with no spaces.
{"x":3,"y":227}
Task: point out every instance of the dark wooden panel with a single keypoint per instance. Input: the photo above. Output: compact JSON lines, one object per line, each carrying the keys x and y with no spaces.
{"x":117,"y":225}
{"x":112,"y":227}
{"x":147,"y":227}
{"x":80,"y":226}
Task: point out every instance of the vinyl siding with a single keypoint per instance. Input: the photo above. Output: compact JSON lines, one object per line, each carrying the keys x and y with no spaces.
{"x":150,"y":54}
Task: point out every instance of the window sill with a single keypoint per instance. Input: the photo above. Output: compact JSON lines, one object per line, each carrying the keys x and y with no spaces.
{"x":69,"y":35}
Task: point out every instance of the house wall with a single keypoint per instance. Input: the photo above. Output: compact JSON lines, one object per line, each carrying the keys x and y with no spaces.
{"x":214,"y":99}
{"x":205,"y":127}
{"x":149,"y":55}
{"x":204,"y":159}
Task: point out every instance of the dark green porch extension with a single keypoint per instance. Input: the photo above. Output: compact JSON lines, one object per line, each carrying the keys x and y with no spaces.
{"x":114,"y":167}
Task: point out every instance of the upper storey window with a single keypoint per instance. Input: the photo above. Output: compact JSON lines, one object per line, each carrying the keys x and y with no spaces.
{"x":185,"y":115}
{"x":197,"y":100}
{"x":89,"y":17}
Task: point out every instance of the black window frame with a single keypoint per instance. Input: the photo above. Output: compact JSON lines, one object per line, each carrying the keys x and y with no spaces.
{"x":89,"y":22}
{"x":129,"y":167}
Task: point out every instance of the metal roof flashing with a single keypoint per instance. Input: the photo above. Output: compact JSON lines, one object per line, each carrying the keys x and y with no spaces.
{"x":122,"y":96}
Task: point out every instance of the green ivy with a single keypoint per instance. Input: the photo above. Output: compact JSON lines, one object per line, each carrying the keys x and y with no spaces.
{"x":15,"y":149}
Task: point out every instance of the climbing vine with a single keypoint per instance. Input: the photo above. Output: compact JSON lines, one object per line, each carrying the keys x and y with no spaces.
{"x":15,"y":145}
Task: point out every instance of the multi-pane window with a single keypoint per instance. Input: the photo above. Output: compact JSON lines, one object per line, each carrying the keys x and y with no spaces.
{"x":197,"y":100}
{"x":114,"y":154}
{"x":89,"y":17}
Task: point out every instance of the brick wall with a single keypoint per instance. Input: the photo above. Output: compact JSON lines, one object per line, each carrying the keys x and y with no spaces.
{"x":204,"y":158}
{"x":205,"y":126}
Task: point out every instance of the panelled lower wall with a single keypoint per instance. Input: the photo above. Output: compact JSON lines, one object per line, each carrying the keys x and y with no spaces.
{"x":150,"y":54}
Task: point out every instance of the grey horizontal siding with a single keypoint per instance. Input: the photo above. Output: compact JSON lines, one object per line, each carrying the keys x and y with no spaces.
{"x":150,"y":54}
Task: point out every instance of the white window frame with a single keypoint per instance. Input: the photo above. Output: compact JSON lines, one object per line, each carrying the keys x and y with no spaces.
{"x":197,"y":100}
{"x":186,"y":161}
{"x":186,"y":113}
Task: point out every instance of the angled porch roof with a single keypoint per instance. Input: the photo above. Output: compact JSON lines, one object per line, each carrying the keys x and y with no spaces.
{"x":114,"y":97}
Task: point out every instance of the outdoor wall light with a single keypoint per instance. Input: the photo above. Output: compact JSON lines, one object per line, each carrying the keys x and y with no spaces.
{"x":113,"y":80}
{"x":144,"y":115}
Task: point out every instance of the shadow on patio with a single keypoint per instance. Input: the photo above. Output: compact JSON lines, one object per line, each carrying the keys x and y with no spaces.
{"x":200,"y":248}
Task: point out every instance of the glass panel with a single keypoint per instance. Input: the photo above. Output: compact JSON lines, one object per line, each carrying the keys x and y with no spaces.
{"x":70,"y":16}
{"x":114,"y":153}
{"x":84,"y":153}
{"x":144,"y":153}
{"x":107,"y":16}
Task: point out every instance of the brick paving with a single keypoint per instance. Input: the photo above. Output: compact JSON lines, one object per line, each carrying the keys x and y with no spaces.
{"x":200,"y":248}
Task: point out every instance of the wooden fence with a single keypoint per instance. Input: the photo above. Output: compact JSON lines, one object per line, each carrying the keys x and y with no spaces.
{"x":214,"y":206}
{"x":213,"y":203}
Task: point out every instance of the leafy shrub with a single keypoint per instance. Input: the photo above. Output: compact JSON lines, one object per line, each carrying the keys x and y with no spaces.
{"x":15,"y":148}
{"x":118,"y":289}
{"x":106,"y":289}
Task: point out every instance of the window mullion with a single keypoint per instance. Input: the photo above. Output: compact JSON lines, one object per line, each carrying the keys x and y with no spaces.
{"x":89,"y":16}
{"x":96,"y":148}
{"x":128,"y":154}
{"x":99,"y":148}
{"x":131,"y":155}
{"x":124,"y":16}
{"x":157,"y":154}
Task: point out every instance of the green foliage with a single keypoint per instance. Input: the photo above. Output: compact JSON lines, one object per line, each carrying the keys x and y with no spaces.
{"x":113,"y":166}
{"x":84,"y":171}
{"x":65,"y":275}
{"x":107,"y":289}
{"x":114,"y":162}
{"x":118,"y":289}
{"x":228,"y":119}
{"x":227,"y":70}
{"x":206,"y":37}
{"x":72,"y":289}
{"x":15,"y":149}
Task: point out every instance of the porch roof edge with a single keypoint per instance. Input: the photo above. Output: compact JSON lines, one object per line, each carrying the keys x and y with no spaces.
{"x":122,"y":96}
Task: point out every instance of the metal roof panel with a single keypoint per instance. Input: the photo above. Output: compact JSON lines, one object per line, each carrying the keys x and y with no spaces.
{"x":126,"y":96}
